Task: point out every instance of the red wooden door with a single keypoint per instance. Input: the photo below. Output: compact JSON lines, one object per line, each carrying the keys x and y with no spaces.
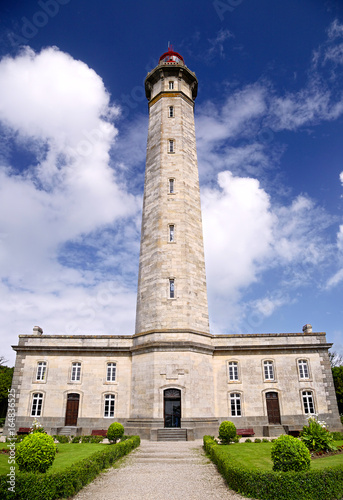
{"x":72,"y":410}
{"x":273,"y":409}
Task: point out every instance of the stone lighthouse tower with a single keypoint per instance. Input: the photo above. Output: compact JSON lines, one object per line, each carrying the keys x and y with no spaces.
{"x":172,"y":375}
{"x":172,"y":282}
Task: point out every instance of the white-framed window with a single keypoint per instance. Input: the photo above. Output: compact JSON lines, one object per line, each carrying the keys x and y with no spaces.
{"x":171,"y":146}
{"x":41,"y":371}
{"x":171,"y":186}
{"x":268,"y":367}
{"x":308,"y":402}
{"x":171,"y":112}
{"x":171,"y":233}
{"x":75,"y":372}
{"x":171,"y":85}
{"x":172,"y":288}
{"x":303,"y":369}
{"x":111,"y":372}
{"x":233,"y":370}
{"x":235,"y":404}
{"x":109,"y":405}
{"x":37,"y":403}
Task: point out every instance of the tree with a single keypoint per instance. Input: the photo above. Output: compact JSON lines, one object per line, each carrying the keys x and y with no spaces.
{"x":336,"y":359}
{"x":337,"y":374}
{"x":6,"y":375}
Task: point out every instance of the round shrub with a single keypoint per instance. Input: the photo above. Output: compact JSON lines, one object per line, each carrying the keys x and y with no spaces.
{"x":290,"y":454}
{"x":36,"y":453}
{"x":227,"y":432}
{"x":257,"y":440}
{"x":115,"y":432}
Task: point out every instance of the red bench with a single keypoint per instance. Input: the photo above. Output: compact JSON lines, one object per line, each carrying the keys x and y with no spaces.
{"x":100,"y":432}
{"x":245,"y":432}
{"x":24,"y":430}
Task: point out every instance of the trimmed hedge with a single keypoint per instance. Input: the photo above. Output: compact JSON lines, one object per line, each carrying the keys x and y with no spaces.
{"x":270,"y":485}
{"x":50,"y":486}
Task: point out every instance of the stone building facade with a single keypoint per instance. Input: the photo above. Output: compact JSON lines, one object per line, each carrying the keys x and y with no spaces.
{"x":173,"y":373}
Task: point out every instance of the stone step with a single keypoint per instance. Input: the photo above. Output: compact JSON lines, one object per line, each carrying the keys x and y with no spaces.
{"x":276,"y":430}
{"x":67,"y":431}
{"x":161,"y":460}
{"x":171,"y":434}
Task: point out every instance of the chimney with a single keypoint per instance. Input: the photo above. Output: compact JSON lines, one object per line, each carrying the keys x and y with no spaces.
{"x":307,"y":328}
{"x":37,"y":330}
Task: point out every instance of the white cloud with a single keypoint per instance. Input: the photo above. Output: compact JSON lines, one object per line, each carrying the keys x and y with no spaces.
{"x":217,"y":44}
{"x":246,"y":235}
{"x":238,"y":228}
{"x":58,"y":109}
{"x":341,"y":177}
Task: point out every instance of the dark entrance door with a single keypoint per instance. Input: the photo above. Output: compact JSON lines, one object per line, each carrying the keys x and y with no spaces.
{"x":172,"y":408}
{"x":273,"y":409}
{"x":72,"y":409}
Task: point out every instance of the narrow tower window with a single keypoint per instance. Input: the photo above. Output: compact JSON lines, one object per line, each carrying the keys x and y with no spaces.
{"x":303,"y":368}
{"x":171,"y":186}
{"x":268,"y":370}
{"x":171,"y":146}
{"x":109,"y":406}
{"x":111,"y":372}
{"x":171,"y":233}
{"x":76,"y":372}
{"x":235,"y":404}
{"x":171,"y":85}
{"x":233,"y":370}
{"x":41,"y":371}
{"x":308,"y":402}
{"x":171,"y":111}
{"x":171,"y":288}
{"x":37,"y":402}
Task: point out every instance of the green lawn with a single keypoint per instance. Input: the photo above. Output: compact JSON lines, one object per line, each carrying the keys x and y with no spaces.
{"x":257,"y":456}
{"x":67,"y":454}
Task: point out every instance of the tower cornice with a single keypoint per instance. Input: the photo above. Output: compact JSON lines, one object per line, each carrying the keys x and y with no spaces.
{"x":181,"y":94}
{"x":164,"y":70}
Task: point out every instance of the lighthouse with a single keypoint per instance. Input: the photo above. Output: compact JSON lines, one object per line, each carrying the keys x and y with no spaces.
{"x":172,"y":281}
{"x":172,"y":375}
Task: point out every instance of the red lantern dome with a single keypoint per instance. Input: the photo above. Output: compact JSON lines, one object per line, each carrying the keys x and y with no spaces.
{"x":171,"y":57}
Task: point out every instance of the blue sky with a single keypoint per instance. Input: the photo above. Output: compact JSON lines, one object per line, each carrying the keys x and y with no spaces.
{"x":73,"y":125}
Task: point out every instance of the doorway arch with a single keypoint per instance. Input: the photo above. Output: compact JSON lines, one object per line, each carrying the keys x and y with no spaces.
{"x":273,"y":408}
{"x":172,"y":407}
{"x":72,"y":409}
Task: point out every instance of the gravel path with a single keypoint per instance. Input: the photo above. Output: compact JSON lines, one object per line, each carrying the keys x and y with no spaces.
{"x":161,"y":471}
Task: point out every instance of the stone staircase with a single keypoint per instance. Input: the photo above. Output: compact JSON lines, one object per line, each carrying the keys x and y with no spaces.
{"x":161,"y":454}
{"x":276,"y":430}
{"x":172,"y":434}
{"x":68,"y":431}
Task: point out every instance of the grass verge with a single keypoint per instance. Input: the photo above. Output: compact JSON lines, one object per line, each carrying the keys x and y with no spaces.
{"x":247,"y":470}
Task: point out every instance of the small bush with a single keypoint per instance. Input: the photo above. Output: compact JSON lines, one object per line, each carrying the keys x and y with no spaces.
{"x":248,"y":440}
{"x":61,"y":438}
{"x":337,"y":436}
{"x":86,"y":439}
{"x":76,"y":439}
{"x":227,"y":432}
{"x":115,"y":432}
{"x":36,"y":453}
{"x":257,"y":440}
{"x":290,"y":454}
{"x":316,"y":436}
{"x":37,"y":427}
{"x":265,"y":440}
